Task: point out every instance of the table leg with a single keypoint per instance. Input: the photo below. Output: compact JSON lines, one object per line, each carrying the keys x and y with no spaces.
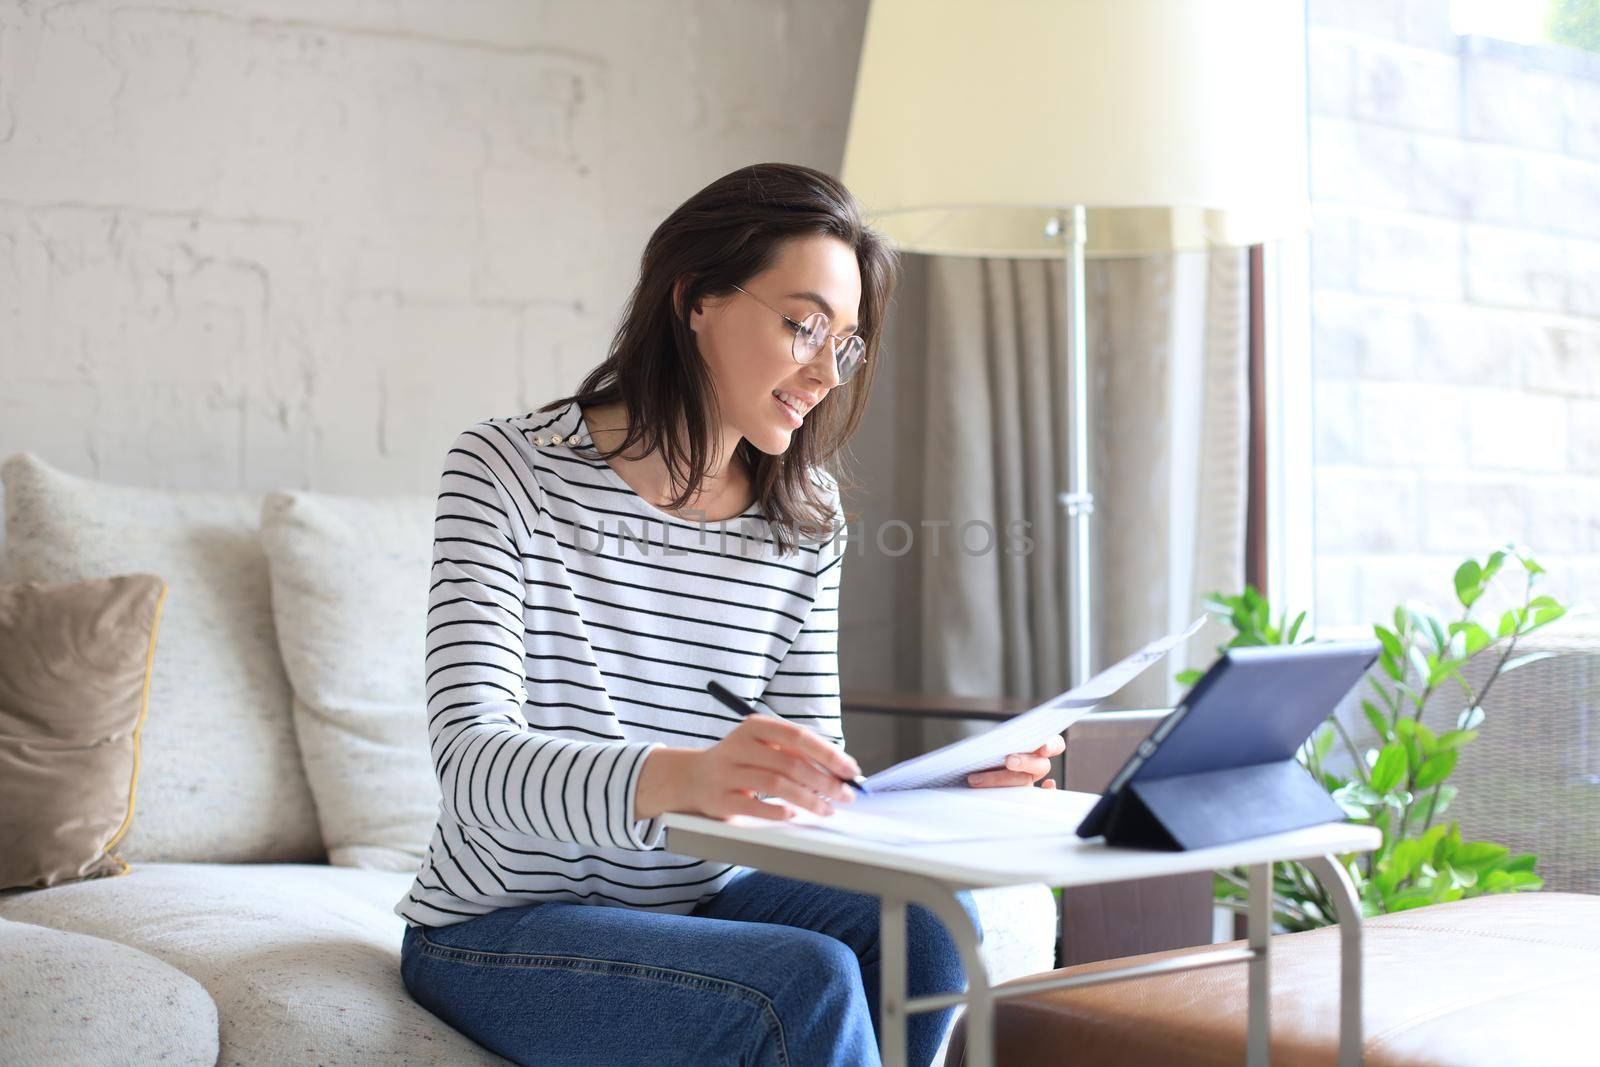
{"x":893,"y":989}
{"x":979,"y":996}
{"x":1259,"y":1019}
{"x":1336,"y":880}
{"x":980,"y":1022}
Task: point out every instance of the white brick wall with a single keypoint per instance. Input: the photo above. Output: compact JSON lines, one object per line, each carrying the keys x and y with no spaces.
{"x":1456,"y":305}
{"x":250,"y":244}
{"x":260,"y":243}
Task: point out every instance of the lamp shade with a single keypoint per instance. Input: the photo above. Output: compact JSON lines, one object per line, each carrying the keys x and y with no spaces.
{"x":1179,"y":124}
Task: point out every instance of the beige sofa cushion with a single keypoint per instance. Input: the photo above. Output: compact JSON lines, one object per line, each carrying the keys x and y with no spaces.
{"x":221,"y":776}
{"x":75,"y":661}
{"x":350,"y":601}
{"x":303,"y":962}
{"x":72,"y":998}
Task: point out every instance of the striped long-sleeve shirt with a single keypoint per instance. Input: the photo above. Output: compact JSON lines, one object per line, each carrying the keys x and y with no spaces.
{"x":571,"y":628}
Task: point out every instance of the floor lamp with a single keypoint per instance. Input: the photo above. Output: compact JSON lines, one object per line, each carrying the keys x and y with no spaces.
{"x":1080,"y":128}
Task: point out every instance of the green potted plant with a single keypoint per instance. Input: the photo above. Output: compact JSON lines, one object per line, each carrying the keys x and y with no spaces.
{"x":1402,"y":784}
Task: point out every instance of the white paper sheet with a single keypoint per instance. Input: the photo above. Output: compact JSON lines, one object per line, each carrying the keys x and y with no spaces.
{"x":930,"y":816}
{"x":950,"y":765}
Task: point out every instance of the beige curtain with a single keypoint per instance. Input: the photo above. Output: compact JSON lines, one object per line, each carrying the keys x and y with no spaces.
{"x":968,"y":435}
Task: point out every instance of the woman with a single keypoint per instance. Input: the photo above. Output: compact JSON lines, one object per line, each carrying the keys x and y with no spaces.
{"x":595,"y":563}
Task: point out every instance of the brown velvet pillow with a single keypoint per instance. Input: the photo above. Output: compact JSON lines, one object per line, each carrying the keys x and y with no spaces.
{"x":74,"y":686}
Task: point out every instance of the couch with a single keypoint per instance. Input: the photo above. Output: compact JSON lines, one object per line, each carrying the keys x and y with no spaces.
{"x":283,"y":797}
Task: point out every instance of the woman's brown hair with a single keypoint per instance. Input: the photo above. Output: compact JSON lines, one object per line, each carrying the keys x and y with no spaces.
{"x":725,"y":234}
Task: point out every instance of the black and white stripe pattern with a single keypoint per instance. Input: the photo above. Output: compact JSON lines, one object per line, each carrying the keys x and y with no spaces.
{"x":571,"y":628}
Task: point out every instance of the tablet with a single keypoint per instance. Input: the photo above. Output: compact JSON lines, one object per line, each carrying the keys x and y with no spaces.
{"x":1255,"y":706}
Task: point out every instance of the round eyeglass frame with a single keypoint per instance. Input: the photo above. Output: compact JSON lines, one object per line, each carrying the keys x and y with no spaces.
{"x":839,"y":343}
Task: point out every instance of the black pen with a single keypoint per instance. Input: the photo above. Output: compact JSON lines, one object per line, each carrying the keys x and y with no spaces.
{"x":744,"y":707}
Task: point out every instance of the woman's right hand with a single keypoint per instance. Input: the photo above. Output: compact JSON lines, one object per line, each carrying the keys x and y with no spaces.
{"x":763,"y":754}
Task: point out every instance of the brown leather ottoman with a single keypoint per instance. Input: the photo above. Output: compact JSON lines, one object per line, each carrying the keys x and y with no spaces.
{"x":1495,"y":980}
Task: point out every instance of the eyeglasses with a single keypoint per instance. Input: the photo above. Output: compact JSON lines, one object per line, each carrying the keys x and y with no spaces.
{"x":849,"y":352}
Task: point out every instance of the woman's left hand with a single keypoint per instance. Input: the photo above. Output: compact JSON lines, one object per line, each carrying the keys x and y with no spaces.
{"x":1022,"y":768}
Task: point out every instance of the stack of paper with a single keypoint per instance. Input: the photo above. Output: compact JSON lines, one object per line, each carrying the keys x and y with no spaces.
{"x":951,"y":764}
{"x":916,"y":801}
{"x":934,"y":816}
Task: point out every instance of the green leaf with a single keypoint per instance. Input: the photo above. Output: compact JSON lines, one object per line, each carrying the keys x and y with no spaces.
{"x":1456,"y":738}
{"x":1406,"y":731}
{"x":1411,"y":898}
{"x":1364,"y":793}
{"x":1477,"y":638}
{"x":1442,"y":799}
{"x":1544,"y":617}
{"x":1390,"y":768}
{"x":1430,"y":623}
{"x":1469,"y":582}
{"x":1295,"y":629}
{"x":1401,"y":861}
{"x":1446,"y":887}
{"x":1351,"y":809}
{"x":1421,"y":662}
{"x":1397,"y":798}
{"x":1380,"y":725}
{"x":1427,"y":740}
{"x":1355,"y":809}
{"x":1377,"y":685}
{"x":1390,"y":643}
{"x":1323,"y":741}
{"x":1442,"y":669}
{"x":1431,"y":840}
{"x":1464,"y":879}
{"x":1509,"y":623}
{"x":1437,"y":769}
{"x":1511,"y":881}
{"x":1497,"y":560}
{"x":1479,"y":855}
{"x":1188,"y":677}
{"x":1523,"y":862}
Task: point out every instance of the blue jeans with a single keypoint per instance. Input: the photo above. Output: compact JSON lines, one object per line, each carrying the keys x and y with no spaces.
{"x":770,"y":971}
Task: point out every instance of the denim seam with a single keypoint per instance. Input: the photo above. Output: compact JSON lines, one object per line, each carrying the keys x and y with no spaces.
{"x":670,"y":975}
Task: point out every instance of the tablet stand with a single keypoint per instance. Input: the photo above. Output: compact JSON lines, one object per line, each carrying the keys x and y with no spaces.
{"x":1190,"y":811}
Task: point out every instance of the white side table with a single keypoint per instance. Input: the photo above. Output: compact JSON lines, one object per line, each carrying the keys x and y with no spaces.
{"x":931,"y":874}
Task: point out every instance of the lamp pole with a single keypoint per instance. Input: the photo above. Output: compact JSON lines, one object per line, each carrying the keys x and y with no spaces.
{"x":1077,"y":501}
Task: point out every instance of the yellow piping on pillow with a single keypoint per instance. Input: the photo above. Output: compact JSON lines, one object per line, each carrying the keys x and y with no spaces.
{"x":138,"y":727}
